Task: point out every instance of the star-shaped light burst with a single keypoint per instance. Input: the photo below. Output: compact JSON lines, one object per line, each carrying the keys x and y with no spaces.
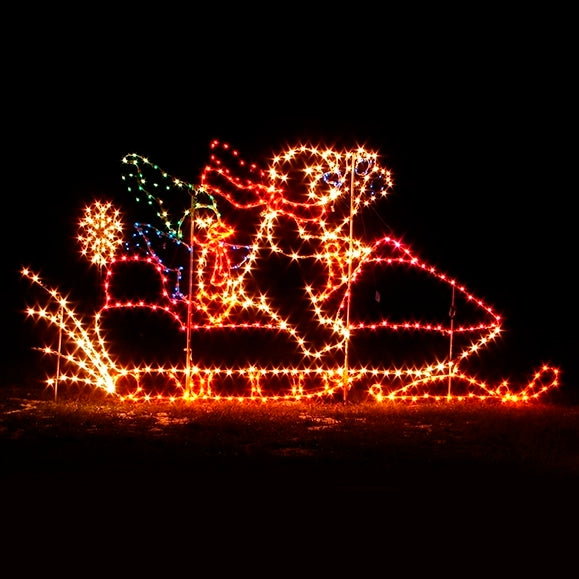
{"x":291,"y":291}
{"x":100,"y":233}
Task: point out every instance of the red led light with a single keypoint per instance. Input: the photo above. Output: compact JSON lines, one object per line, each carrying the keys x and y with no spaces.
{"x":302,"y":211}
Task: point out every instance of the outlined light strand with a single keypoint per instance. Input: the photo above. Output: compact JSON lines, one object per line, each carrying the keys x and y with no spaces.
{"x":235,"y":236}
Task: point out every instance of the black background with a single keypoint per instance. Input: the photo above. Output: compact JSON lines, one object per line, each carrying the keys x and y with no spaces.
{"x":472,"y":114}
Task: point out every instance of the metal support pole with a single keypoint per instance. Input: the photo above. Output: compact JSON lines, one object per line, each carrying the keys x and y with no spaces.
{"x":346,"y":379}
{"x":188,"y":354}
{"x":60,"y":322}
{"x":451,"y":313}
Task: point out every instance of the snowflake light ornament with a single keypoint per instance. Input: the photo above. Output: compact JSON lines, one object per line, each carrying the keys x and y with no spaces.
{"x":100,"y":233}
{"x":283,"y":287}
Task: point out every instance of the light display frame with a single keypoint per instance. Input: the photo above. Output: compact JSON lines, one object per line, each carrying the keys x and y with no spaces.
{"x":206,"y":248}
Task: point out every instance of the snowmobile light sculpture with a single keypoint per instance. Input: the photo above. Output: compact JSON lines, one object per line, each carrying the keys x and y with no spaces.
{"x":281,"y":287}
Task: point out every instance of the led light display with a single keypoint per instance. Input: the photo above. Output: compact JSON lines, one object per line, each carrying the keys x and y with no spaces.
{"x":273,"y":283}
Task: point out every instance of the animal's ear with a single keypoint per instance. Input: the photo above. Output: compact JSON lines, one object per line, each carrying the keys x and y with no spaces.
{"x":314,"y":175}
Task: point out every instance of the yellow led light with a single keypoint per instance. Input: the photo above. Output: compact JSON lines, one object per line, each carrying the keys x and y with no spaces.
{"x":300,"y":211}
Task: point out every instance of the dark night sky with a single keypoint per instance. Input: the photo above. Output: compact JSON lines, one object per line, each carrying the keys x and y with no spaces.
{"x":476,"y":128}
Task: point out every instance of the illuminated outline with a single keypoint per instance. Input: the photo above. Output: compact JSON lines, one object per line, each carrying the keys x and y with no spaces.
{"x":301,"y":209}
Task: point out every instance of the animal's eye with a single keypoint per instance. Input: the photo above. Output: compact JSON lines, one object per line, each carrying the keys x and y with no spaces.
{"x":363,"y":167}
{"x":333,"y":178}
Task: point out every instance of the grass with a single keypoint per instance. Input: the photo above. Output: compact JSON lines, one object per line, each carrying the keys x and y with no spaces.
{"x":388,"y":447}
{"x":285,"y":478}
